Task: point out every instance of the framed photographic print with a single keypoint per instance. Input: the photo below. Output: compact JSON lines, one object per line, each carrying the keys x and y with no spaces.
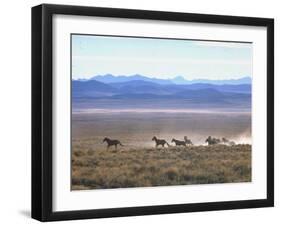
{"x":146,"y":112}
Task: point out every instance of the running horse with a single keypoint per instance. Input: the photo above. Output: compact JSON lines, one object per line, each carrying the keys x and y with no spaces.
{"x":212,"y":141}
{"x":179,"y":142}
{"x":187,"y":141}
{"x":159,"y":142}
{"x":227,"y":142}
{"x":111,"y":143}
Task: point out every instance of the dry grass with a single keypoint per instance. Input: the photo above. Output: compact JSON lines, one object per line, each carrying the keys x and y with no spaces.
{"x":139,"y":164}
{"x":142,"y":167}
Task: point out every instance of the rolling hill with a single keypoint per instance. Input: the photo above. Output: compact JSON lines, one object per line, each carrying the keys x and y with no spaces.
{"x":140,"y":93}
{"x":91,"y":88}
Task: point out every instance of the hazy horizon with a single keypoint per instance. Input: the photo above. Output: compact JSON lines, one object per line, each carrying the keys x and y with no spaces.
{"x":153,"y":77}
{"x":159,"y":58}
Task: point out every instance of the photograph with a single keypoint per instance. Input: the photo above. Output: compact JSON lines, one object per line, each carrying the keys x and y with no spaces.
{"x":140,"y":112}
{"x":153,"y":111}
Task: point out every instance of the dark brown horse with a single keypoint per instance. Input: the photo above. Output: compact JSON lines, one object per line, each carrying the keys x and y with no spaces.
{"x":112,"y":142}
{"x":159,"y":142}
{"x":212,"y":141}
{"x":179,"y":142}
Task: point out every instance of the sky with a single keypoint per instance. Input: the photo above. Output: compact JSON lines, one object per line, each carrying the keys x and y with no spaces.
{"x":159,"y":58}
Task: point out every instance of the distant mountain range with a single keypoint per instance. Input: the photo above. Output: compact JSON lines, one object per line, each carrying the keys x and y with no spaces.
{"x":138,"y":91}
{"x":179,"y":80}
{"x":108,"y":78}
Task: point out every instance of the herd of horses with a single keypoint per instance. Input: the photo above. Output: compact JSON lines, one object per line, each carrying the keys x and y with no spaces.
{"x":162,"y":142}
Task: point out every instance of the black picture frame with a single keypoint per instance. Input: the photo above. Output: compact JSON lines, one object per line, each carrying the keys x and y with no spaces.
{"x":42,"y":107}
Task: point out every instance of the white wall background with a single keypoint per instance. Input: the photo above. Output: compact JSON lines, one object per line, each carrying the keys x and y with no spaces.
{"x":15,"y":118}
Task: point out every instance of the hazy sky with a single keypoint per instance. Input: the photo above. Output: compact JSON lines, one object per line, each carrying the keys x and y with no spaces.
{"x":159,"y":58}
